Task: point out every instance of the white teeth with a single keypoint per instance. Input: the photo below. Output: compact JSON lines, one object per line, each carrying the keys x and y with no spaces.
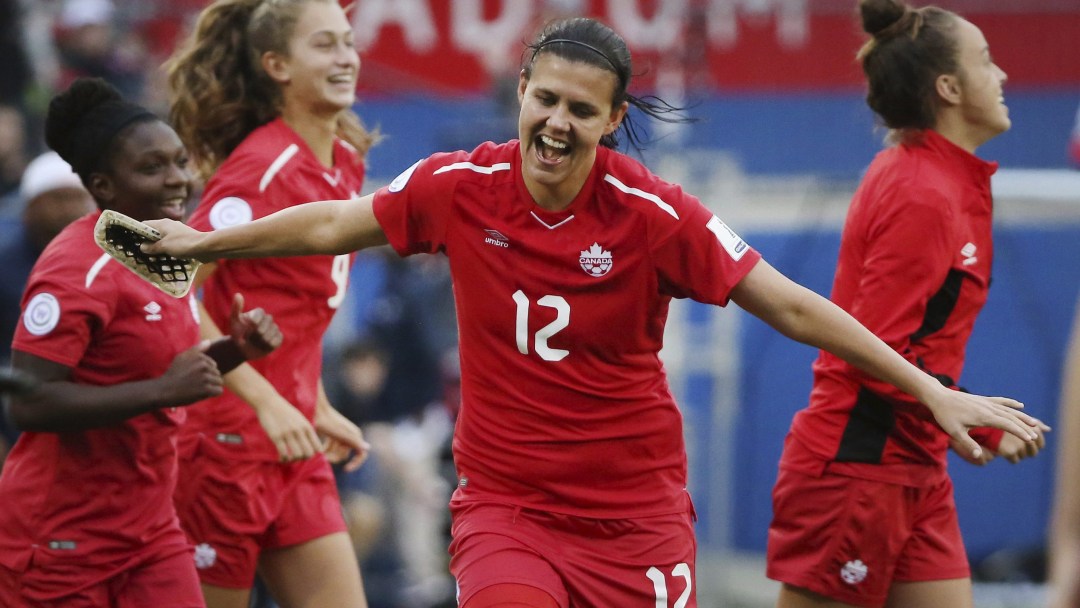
{"x":344,"y":79}
{"x":551,"y":143}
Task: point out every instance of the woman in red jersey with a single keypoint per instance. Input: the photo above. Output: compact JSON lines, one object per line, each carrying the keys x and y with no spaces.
{"x":863,"y":509}
{"x":565,"y":255}
{"x":261,"y":94}
{"x":88,"y":518}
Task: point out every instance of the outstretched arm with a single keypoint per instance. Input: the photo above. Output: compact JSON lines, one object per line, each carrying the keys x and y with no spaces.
{"x":326,"y":227}
{"x":803,"y":315}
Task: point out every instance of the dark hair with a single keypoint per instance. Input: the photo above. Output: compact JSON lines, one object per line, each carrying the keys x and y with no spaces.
{"x":908,"y":50}
{"x":589,"y":41}
{"x":220,"y":93}
{"x":83,"y":122}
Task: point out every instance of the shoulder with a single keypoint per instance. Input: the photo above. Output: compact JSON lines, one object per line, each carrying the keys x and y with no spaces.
{"x":905,"y":183}
{"x":486,"y":160}
{"x":265,"y":153}
{"x":487,"y":163}
{"x":630,"y":184}
{"x":74,"y":262}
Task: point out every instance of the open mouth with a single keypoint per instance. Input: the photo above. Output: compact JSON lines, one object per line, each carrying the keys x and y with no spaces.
{"x":342,"y":80}
{"x":173,"y":208}
{"x":551,"y":150}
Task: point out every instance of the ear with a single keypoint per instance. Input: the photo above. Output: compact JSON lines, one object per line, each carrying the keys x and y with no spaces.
{"x":616,"y":118}
{"x":101,"y":188}
{"x":276,"y":67}
{"x":948,"y":88}
{"x":523,"y":81}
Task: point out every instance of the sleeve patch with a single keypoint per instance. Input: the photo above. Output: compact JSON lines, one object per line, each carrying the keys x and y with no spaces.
{"x":42,"y":314}
{"x":735,"y":246}
{"x":230,"y":211}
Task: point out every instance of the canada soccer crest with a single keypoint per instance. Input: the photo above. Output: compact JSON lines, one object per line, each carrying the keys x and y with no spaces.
{"x":595,"y":261}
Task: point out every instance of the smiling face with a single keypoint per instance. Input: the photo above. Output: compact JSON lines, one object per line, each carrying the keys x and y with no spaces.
{"x":319,"y":73}
{"x":566,"y":107}
{"x":980,"y":103}
{"x":147,"y":177}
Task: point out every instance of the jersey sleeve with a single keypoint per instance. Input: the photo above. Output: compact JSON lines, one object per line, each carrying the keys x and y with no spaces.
{"x":908,"y":255}
{"x":699,"y":256}
{"x":235,"y":196}
{"x":60,"y":318}
{"x":414,"y":209}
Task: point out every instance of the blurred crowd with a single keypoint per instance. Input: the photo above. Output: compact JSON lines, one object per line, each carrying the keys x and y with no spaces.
{"x":392,"y":362}
{"x":46,"y":44}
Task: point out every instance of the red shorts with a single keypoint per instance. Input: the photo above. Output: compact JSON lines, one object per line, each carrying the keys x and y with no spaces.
{"x":233,"y":509}
{"x":169,"y":582}
{"x":849,"y":539}
{"x":578,"y":561}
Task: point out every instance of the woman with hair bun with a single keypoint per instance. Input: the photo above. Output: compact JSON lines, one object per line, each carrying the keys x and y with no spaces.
{"x":863,"y":509}
{"x":88,"y":517}
{"x":262,"y":94}
{"x":565,"y":255}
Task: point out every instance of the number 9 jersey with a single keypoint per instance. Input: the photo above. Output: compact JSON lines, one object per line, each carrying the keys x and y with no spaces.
{"x":565,"y":403}
{"x":273,"y":169}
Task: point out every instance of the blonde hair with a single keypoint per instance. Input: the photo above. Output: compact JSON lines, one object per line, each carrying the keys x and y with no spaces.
{"x":219,"y":90}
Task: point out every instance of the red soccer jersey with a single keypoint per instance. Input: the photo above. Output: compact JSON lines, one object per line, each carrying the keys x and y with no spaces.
{"x":274,"y":169}
{"x":914,"y":268}
{"x":99,"y":499}
{"x":566,"y":405}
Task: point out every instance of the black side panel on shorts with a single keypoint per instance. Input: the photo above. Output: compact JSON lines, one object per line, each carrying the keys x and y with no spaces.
{"x":870,"y":422}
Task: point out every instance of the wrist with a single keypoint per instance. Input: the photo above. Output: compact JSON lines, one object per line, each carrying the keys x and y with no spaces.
{"x":226,"y":353}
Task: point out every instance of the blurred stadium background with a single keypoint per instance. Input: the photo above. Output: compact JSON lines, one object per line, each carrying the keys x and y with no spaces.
{"x":783,"y":137}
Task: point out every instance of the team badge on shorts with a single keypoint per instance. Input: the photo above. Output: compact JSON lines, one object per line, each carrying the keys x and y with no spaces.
{"x":854,"y":572}
{"x":595,"y":261}
{"x":205,"y":556}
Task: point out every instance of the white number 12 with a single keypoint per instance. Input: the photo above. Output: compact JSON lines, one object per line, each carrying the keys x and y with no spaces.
{"x":521,"y":333}
{"x":660,"y":585}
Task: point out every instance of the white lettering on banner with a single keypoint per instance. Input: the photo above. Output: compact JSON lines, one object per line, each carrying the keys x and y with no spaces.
{"x":412,"y":16}
{"x":471,"y":32}
{"x":659,"y":33}
{"x":792,"y":20}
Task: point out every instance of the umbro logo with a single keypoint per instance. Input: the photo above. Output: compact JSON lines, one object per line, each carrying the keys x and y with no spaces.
{"x":153,"y":311}
{"x":494,"y":237}
{"x":968,"y":251}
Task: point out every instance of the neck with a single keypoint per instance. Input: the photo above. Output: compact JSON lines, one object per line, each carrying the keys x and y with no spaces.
{"x":559,"y":196}
{"x":316,"y":131}
{"x":956,"y":130}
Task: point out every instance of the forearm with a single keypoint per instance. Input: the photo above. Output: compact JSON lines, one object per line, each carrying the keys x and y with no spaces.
{"x":326,"y":227}
{"x":65,"y":406}
{"x":807,"y":317}
{"x":822,"y":324}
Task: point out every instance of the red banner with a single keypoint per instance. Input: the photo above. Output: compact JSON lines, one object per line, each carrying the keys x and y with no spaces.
{"x":460,"y":46}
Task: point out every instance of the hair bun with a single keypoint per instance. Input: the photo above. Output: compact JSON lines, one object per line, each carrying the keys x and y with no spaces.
{"x":878,"y":15}
{"x":67,"y":110}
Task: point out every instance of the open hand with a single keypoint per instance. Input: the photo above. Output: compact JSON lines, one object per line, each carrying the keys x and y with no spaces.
{"x":958,"y":412}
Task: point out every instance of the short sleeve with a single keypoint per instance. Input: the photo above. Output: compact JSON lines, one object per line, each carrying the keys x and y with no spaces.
{"x":702,"y":258}
{"x":414,"y":209}
{"x":61,"y":318}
